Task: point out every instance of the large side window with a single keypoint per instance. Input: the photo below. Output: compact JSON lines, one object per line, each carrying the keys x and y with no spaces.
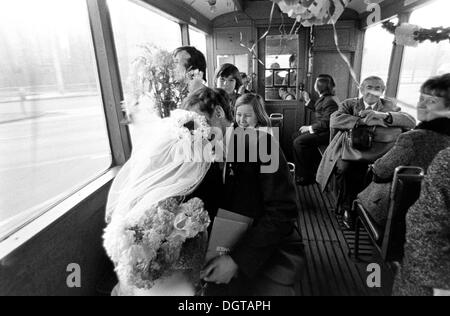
{"x":377,"y":53}
{"x":54,"y":137}
{"x":198,"y":40}
{"x":426,"y":60}
{"x":135,"y":25}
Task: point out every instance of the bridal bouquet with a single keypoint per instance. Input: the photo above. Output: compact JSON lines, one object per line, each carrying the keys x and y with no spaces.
{"x":154,"y":245}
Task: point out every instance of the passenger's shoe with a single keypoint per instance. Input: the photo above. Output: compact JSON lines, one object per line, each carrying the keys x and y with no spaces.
{"x":349,"y":220}
{"x":304,"y":181}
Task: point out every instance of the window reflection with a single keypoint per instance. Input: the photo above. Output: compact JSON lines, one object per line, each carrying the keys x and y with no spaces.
{"x":281,"y":67}
{"x":428,"y":59}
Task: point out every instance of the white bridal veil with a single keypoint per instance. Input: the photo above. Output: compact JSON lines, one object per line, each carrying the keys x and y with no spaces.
{"x":162,"y":165}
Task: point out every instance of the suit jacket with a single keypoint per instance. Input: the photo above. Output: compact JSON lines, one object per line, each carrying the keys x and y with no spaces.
{"x":345,"y":119}
{"x":347,"y":116}
{"x":269,"y":198}
{"x":323,"y":109}
{"x":426,"y":264}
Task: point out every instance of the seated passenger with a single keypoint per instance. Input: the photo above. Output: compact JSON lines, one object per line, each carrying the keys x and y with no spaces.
{"x":426,"y":264}
{"x":415,"y":148}
{"x":245,"y":84}
{"x":229,"y":79}
{"x":187,"y":61}
{"x":309,"y":138}
{"x":265,"y":262}
{"x":250,"y":112}
{"x":370,"y":110}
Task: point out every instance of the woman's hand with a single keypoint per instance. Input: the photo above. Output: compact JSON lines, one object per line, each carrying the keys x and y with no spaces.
{"x":221,"y":270}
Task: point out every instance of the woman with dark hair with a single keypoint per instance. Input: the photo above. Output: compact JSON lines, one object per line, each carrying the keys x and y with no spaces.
{"x":229,"y":79}
{"x":415,"y":148}
{"x":309,"y":138}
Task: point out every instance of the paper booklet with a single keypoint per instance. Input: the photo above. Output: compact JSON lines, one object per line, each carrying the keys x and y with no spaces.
{"x":228,"y":229}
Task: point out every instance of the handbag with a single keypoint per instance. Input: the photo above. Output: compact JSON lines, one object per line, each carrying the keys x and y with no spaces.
{"x":380,"y":141}
{"x":361,"y":137}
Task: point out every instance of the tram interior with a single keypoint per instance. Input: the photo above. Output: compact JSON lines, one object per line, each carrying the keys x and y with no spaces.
{"x":40,"y":237}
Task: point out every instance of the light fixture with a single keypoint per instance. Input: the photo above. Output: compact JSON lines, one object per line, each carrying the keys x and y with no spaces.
{"x":212,"y":5}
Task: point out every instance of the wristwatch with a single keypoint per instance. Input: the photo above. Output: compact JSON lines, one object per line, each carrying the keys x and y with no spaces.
{"x":389,"y":119}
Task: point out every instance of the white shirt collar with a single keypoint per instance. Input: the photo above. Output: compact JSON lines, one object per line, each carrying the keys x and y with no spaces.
{"x":367,"y":105}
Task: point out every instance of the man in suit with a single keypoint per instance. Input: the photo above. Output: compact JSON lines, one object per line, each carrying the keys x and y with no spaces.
{"x":189,"y":59}
{"x":370,"y":110}
{"x":308,"y":139}
{"x":265,"y":261}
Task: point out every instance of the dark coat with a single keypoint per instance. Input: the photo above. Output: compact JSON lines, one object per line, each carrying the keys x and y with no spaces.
{"x":426,"y":265}
{"x":269,"y":198}
{"x":323,"y":109}
{"x":415,"y":148}
{"x":346,"y":118}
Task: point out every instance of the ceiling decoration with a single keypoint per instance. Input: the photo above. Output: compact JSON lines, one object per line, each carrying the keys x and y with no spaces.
{"x":211,"y":10}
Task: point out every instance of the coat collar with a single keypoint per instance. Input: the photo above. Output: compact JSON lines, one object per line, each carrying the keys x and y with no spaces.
{"x":362,"y":105}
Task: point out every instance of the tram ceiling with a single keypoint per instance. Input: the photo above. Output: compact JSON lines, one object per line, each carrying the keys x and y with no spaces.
{"x":211,"y":9}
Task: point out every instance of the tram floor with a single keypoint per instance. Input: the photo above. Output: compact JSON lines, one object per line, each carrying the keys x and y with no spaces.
{"x":331,"y":269}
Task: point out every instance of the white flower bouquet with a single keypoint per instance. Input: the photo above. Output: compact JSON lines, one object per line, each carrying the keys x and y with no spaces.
{"x":166,"y":239}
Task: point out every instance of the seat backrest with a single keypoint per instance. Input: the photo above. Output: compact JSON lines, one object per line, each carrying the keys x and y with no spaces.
{"x":276,"y":119}
{"x":405,"y":192}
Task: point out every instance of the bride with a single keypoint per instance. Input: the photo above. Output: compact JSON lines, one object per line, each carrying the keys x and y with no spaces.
{"x":156,"y":239}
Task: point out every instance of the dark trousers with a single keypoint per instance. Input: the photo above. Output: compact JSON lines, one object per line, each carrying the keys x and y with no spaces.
{"x":351,"y":180}
{"x":306,"y":153}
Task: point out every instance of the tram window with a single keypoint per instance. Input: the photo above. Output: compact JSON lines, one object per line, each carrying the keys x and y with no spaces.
{"x":146,"y":27}
{"x":426,"y":60}
{"x":54,"y":138}
{"x":240,"y":61}
{"x":135,"y":25}
{"x":198,"y":40}
{"x":377,"y":53}
{"x":280,"y":71}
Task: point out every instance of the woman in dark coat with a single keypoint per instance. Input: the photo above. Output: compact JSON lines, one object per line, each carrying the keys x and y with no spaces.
{"x":426,"y":265}
{"x":414,"y":148}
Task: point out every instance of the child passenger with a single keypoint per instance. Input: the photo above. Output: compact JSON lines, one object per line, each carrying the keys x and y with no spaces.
{"x":251,"y":113}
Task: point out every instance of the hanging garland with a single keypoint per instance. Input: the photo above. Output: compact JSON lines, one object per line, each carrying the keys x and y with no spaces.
{"x":313,"y":12}
{"x":411,"y":35}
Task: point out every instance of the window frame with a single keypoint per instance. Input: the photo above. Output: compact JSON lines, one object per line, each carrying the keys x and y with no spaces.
{"x":119,"y":135}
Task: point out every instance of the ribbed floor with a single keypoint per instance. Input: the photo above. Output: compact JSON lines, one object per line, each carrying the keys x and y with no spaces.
{"x":330,"y":271}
